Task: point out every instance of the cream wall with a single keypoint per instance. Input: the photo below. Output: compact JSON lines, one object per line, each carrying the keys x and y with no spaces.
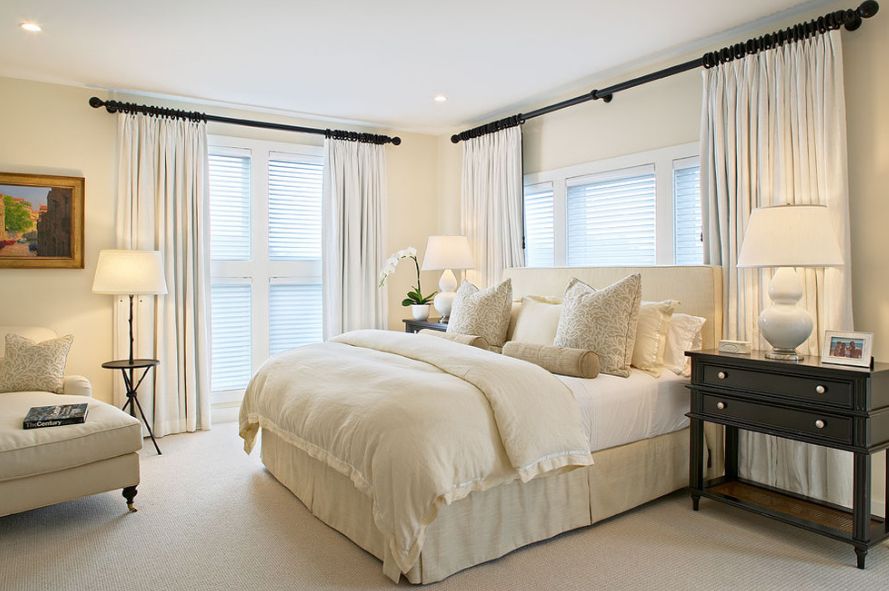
{"x":50,"y":129}
{"x":667,"y":112}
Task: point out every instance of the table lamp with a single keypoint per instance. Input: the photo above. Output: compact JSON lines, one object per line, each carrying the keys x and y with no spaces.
{"x":444,"y":253}
{"x":785,"y":237}
{"x":131,"y":273}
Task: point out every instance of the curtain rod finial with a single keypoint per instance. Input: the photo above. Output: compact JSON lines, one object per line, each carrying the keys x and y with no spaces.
{"x":396,"y":141}
{"x":868,"y":8}
{"x":96,"y":102}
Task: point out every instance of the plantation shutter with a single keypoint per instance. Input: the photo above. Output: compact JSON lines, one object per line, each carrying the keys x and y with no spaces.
{"x":612,"y":218}
{"x":231,"y":336}
{"x":688,"y":245}
{"x":229,"y":207}
{"x":294,"y":315}
{"x":539,"y":227}
{"x":295,"y":210}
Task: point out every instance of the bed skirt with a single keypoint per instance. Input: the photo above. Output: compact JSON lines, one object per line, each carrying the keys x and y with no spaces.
{"x":487,"y":525}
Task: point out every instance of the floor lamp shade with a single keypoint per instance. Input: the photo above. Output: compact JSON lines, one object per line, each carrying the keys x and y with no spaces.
{"x":444,"y":253}
{"x":785,"y":237}
{"x":130,"y":272}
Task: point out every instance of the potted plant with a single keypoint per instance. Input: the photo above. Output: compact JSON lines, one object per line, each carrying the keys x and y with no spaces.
{"x":418,"y":303}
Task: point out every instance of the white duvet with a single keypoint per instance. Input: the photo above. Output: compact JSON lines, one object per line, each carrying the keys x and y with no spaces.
{"x":416,"y":422}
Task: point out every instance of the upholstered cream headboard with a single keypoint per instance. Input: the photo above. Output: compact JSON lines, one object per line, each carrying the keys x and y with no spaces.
{"x":698,"y":288}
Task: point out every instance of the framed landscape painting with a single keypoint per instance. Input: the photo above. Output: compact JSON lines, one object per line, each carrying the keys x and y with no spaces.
{"x":41,"y":221}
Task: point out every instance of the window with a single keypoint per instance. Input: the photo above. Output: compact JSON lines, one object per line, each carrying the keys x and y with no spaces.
{"x":539,"y":237}
{"x":265,"y":251}
{"x":611,"y":218}
{"x":642,"y":209}
{"x":688,"y":232}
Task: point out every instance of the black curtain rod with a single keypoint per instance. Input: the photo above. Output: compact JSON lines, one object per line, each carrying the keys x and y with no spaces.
{"x":850,"y":19}
{"x":337,"y":134}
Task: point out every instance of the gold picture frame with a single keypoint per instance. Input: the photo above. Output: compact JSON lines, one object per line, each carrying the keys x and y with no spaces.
{"x":41,"y":221}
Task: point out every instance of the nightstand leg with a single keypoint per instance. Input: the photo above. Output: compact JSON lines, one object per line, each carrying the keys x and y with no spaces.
{"x":144,"y":420}
{"x":861,"y":487}
{"x":696,"y":461}
{"x":731,"y":452}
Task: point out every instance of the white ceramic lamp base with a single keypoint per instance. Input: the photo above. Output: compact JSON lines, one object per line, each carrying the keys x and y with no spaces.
{"x":447,"y":286}
{"x":784,"y":324}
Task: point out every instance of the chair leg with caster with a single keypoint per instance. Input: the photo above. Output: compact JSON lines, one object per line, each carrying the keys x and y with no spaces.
{"x":129,"y":493}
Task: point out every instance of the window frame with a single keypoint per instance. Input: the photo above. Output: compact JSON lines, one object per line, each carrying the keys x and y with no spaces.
{"x":260,"y":270}
{"x":663,"y":161}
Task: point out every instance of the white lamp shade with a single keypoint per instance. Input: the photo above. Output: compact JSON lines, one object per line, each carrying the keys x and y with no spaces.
{"x":447,"y":252}
{"x":130,"y":272}
{"x":790,"y":236}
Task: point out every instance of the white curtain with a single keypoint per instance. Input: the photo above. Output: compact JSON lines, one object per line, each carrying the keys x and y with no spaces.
{"x":354,"y":214}
{"x":162,"y":204}
{"x":491,"y":203}
{"x":773,"y":132}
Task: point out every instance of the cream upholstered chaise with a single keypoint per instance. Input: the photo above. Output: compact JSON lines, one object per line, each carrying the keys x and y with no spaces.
{"x":40,"y":467}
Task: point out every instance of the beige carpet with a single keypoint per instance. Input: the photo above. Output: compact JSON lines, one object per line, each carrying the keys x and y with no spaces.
{"x":211,"y":517}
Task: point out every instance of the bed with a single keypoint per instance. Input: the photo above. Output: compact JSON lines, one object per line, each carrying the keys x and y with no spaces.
{"x":634,"y":427}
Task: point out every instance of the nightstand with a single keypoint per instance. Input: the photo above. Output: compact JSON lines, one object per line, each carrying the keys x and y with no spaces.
{"x":411,"y":325}
{"x":835,"y":406}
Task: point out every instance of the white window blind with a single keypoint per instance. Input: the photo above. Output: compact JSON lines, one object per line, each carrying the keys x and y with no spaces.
{"x":688,"y":242}
{"x":294,"y":210}
{"x":294,"y":315}
{"x":229,"y":207}
{"x":611,"y":218}
{"x":539,"y":228}
{"x":231,"y":330}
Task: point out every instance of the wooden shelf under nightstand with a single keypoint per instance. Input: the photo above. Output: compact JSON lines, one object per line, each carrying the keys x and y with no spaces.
{"x":839,"y":407}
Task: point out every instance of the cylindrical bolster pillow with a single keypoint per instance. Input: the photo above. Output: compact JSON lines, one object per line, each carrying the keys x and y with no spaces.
{"x":465,"y":339}
{"x":565,"y":361}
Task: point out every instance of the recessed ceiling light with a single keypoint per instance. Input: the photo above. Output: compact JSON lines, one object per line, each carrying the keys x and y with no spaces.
{"x":440,"y":98}
{"x":31,"y":27}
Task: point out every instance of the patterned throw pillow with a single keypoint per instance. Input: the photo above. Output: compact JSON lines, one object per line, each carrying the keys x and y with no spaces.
{"x":483,"y":313}
{"x":603,"y":321}
{"x":30,"y":366}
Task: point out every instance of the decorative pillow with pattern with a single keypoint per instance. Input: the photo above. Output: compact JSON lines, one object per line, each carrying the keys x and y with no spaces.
{"x":30,"y":366}
{"x":603,"y":321}
{"x":483,"y":313}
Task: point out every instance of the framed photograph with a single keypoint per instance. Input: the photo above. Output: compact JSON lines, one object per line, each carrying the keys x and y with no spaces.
{"x":41,"y":221}
{"x":847,"y":348}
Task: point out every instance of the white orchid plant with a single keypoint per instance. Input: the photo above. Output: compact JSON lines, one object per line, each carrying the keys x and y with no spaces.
{"x":415,"y":296}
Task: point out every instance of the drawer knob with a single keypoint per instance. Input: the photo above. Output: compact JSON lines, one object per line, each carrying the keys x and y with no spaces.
{"x":819,"y":424}
{"x":721,"y":375}
{"x":820,"y":389}
{"x":721,"y":405}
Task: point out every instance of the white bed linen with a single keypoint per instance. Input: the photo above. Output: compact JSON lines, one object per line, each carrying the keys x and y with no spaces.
{"x":617,"y":411}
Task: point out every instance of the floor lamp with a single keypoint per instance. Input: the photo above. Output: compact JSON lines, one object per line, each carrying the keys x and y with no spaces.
{"x":131,"y":273}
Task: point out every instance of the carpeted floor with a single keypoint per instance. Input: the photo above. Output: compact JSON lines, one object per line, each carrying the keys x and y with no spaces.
{"x":211,"y":517}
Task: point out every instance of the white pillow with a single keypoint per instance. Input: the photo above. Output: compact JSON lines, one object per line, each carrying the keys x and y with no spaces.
{"x":603,"y":321}
{"x":537,"y":320}
{"x":651,"y":336}
{"x":483,"y":313}
{"x":684,"y":335}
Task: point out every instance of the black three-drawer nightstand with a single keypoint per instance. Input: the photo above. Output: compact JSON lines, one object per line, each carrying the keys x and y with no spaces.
{"x":835,"y":406}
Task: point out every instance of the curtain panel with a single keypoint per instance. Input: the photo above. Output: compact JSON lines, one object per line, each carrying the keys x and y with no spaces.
{"x":354,"y":214}
{"x":162,"y":204}
{"x":774,"y":132}
{"x":491,"y":203}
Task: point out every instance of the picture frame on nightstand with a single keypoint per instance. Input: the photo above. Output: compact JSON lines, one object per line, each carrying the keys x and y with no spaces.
{"x":847,"y":348}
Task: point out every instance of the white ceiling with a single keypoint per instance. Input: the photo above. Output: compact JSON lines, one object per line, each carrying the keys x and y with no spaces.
{"x":377,"y":61}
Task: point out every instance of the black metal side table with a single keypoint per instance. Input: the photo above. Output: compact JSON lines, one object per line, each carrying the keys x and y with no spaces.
{"x":126,"y":367}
